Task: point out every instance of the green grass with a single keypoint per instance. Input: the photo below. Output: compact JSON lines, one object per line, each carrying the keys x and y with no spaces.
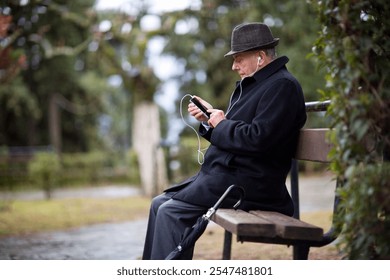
{"x":26,"y":217}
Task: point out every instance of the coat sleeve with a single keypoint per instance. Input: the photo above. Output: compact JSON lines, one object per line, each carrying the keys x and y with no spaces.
{"x":278,"y":115}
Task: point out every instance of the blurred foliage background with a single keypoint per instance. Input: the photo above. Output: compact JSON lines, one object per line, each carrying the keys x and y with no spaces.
{"x":71,"y":76}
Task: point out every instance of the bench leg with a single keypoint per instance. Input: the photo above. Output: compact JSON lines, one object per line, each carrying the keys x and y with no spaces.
{"x":227,"y":246}
{"x":301,"y":252}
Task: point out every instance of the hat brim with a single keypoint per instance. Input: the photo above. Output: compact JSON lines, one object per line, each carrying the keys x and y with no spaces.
{"x":274,"y":43}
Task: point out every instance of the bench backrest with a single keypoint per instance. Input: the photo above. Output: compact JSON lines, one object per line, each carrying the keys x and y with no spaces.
{"x":313,"y":145}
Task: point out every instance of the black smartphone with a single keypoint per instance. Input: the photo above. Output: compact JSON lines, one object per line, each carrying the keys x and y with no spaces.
{"x":200,"y":106}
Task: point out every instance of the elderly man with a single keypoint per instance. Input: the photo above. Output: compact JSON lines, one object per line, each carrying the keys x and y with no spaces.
{"x":251,"y":143}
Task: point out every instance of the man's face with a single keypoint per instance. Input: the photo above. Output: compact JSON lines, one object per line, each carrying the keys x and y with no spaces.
{"x":245,"y":63}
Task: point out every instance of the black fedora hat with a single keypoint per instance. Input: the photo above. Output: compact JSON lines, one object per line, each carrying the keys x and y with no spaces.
{"x":251,"y":36}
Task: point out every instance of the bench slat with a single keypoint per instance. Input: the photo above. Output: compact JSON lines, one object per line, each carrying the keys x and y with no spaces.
{"x":240,"y":222}
{"x":290,"y":228}
{"x":313,"y":145}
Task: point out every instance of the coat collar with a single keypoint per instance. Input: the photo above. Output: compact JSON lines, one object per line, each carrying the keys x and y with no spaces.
{"x":268,"y":70}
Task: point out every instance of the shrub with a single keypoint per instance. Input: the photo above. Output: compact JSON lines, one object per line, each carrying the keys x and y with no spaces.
{"x":44,"y":169}
{"x":354,"y":48}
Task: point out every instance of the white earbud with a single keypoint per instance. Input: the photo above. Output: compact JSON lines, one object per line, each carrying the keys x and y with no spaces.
{"x":257,"y":67}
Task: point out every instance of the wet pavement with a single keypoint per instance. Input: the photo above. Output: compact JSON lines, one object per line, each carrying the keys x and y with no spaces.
{"x":120,"y":241}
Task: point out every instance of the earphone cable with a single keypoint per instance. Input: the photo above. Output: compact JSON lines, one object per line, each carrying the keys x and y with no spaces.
{"x":200,"y":152}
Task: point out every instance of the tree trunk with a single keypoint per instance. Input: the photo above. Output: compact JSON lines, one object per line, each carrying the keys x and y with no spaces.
{"x":146,"y":142}
{"x":55,"y":124}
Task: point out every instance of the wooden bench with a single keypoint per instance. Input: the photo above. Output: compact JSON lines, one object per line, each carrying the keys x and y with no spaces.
{"x":276,"y":228}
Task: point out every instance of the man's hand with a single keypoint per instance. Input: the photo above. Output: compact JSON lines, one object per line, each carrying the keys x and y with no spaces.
{"x":216,"y":117}
{"x":194,"y":111}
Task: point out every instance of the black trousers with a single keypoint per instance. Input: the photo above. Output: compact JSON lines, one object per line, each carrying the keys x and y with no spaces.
{"x":168,"y":218}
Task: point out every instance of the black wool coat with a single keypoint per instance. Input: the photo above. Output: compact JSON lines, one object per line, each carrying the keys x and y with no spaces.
{"x":254,"y":145}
